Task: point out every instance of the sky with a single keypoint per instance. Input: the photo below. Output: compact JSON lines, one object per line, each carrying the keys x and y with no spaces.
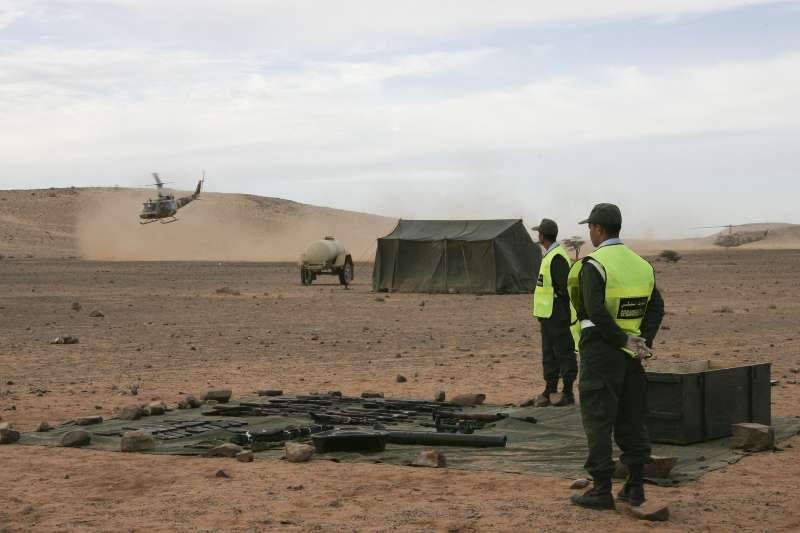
{"x":683,"y":112}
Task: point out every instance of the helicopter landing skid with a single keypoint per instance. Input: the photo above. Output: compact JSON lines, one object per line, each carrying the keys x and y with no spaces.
{"x":168,"y":221}
{"x":148,"y":222}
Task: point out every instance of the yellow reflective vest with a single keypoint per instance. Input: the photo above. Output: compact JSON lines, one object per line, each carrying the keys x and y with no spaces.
{"x":629,"y":285}
{"x":544,"y":295}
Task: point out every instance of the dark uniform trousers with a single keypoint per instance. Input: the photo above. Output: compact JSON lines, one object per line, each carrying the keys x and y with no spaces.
{"x":558,"y":350}
{"x":613,"y":398}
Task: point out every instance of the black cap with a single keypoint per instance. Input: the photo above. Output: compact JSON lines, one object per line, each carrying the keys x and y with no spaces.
{"x":604,"y":215}
{"x":547,"y":226}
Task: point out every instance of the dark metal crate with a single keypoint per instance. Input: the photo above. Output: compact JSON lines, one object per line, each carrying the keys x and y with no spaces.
{"x":698,"y":401}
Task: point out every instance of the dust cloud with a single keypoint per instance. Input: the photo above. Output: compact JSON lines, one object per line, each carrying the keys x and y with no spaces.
{"x":219,"y":227}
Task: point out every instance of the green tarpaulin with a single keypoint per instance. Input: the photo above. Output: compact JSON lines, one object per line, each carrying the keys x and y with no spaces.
{"x":457,"y":256}
{"x":554,"y":445}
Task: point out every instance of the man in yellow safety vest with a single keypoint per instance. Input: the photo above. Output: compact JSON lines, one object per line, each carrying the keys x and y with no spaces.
{"x":552,"y":308}
{"x":620,"y":311}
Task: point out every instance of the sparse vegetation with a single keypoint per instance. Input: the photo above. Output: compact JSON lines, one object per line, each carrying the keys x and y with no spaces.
{"x":723,"y":309}
{"x":575,"y":244}
{"x":670,"y":255}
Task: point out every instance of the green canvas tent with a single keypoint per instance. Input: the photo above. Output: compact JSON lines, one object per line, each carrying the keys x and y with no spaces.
{"x":458,"y":256}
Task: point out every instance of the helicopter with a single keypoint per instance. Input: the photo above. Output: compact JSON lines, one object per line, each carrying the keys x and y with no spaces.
{"x":731,"y":239}
{"x":166,"y":205}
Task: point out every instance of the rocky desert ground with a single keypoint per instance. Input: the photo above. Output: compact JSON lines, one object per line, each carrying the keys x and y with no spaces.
{"x":167,"y":330}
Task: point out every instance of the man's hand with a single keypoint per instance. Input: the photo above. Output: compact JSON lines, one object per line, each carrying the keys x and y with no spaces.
{"x":639,"y":347}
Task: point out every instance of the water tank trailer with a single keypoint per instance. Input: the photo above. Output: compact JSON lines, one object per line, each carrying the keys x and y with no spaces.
{"x":326,"y":257}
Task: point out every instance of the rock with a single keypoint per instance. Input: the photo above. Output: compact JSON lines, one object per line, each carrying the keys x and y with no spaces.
{"x":579,"y":484}
{"x":65,"y":339}
{"x":5,"y":425}
{"x":228,"y":291}
{"x":8,"y":436}
{"x":43,"y":427}
{"x":189,"y":402}
{"x":371,"y":394}
{"x":245,"y":457}
{"x":135,"y":389}
{"x":660,"y":468}
{"x":75,"y":438}
{"x":96,"y":314}
{"x":137,"y":441}
{"x":753,"y":437}
{"x":400,"y":378}
{"x":468,"y":399}
{"x":156,"y":408}
{"x":440,"y":396}
{"x":76,"y":306}
{"x":228,"y":449}
{"x":298,"y":453}
{"x":430,"y":459}
{"x":131,"y":412}
{"x":222,"y":473}
{"x":650,"y":510}
{"x":89,"y":420}
{"x":221,"y":395}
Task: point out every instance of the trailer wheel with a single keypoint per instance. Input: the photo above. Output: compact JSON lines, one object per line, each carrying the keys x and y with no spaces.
{"x":346,"y":273}
{"x":306,"y":276}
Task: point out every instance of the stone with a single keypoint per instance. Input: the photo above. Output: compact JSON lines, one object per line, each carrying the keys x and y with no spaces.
{"x":220,"y":395}
{"x":440,"y":396}
{"x":75,"y":438}
{"x":650,"y":510}
{"x":43,"y":427}
{"x":298,"y":453}
{"x":65,"y":339}
{"x":468,"y":399}
{"x":76,"y":306}
{"x":89,"y":420}
{"x":228,"y":449}
{"x":371,"y":394}
{"x":8,"y":436}
{"x":660,"y":468}
{"x":131,"y":412}
{"x":245,"y":456}
{"x":222,"y":473}
{"x":579,"y":484}
{"x":137,"y":441}
{"x":156,"y":408}
{"x":96,"y":314}
{"x":400,"y":378}
{"x":752,"y":437}
{"x":430,"y":459}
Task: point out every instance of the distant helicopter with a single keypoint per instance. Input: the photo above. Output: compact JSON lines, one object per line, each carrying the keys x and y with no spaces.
{"x":731,"y":239}
{"x":166,"y":205}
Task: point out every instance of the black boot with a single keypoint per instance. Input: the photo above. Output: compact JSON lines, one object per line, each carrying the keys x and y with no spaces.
{"x":598,"y":497}
{"x":633,"y":490}
{"x":567,"y":397}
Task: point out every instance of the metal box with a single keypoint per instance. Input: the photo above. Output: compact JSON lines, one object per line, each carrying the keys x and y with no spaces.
{"x":698,"y":401}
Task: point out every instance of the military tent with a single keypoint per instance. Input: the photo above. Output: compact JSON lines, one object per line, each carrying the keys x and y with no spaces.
{"x":457,"y":256}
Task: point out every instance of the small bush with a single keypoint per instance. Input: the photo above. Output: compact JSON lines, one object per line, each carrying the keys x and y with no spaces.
{"x":723,"y":309}
{"x":670,"y":255}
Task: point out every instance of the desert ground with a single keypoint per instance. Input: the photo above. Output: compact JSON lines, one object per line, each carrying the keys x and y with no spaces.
{"x":167,"y":330}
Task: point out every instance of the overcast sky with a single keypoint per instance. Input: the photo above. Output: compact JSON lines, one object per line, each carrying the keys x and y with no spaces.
{"x":684,"y":112}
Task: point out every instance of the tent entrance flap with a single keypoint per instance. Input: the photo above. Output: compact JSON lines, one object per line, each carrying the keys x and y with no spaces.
{"x":457,"y":256}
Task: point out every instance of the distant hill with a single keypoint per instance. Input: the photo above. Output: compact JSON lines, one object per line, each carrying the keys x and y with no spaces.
{"x":103,"y":224}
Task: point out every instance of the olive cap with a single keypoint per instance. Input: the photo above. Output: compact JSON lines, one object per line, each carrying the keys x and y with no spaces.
{"x":547,"y":226}
{"x":604,"y":215}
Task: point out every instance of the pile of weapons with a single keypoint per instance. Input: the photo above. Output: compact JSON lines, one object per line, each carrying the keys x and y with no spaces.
{"x":452,"y":426}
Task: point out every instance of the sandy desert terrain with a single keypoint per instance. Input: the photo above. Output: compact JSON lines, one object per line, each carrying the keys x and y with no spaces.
{"x":167,"y":330}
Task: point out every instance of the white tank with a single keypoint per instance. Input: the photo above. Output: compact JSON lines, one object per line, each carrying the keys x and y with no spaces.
{"x":323,"y":251}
